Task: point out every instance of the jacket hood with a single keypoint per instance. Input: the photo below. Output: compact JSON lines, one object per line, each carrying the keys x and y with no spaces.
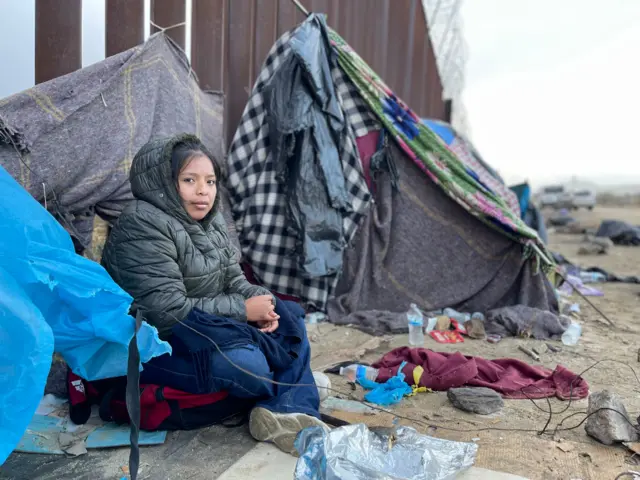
{"x":152,"y":181}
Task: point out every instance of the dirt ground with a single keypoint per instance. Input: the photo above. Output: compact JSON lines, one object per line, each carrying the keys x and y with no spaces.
{"x":570,"y":454}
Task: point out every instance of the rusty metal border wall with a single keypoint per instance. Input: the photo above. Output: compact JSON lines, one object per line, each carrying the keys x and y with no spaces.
{"x":230,"y":38}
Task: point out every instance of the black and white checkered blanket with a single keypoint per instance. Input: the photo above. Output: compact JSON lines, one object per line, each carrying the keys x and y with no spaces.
{"x":258,"y":200}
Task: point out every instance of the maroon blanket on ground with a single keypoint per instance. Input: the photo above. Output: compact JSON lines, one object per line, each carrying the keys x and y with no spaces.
{"x":508,"y":376}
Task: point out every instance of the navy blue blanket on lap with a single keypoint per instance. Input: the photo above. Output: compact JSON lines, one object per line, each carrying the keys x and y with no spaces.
{"x":279,"y":347}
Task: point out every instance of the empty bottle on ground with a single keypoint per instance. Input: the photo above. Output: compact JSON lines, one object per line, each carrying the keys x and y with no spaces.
{"x":572,"y":334}
{"x":416,"y":321}
{"x":355,"y":371}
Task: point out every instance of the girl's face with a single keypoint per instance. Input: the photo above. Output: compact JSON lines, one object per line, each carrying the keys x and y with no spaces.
{"x":197,"y":186}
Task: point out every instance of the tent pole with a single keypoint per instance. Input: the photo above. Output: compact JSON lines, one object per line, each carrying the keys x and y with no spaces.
{"x":301,"y":7}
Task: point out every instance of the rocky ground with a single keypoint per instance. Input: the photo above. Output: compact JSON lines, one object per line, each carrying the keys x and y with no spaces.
{"x":508,"y":440}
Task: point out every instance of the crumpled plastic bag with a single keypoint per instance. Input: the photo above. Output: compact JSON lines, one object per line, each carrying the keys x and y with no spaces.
{"x":306,"y":125}
{"x":389,"y":393}
{"x":354,"y":452}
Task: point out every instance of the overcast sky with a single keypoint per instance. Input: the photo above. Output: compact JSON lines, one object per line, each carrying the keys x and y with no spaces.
{"x":553,"y":86}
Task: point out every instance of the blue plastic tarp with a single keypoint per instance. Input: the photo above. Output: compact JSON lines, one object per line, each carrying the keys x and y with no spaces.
{"x":50,"y":295}
{"x":444,"y":131}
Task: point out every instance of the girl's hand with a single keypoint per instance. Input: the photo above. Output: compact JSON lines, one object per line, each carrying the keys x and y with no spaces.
{"x":261,"y":309}
{"x":268,"y":326}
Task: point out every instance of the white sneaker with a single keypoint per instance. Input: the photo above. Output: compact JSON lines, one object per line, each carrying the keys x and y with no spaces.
{"x":280,"y":428}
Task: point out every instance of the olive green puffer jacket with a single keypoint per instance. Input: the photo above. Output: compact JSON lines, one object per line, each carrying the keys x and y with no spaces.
{"x":168,"y":262}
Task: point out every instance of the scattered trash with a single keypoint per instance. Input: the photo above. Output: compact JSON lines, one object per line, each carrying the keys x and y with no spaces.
{"x":356,"y":372}
{"x":443,"y":323}
{"x":72,"y":445}
{"x":354,"y":452}
{"x":323,"y":383}
{"x":50,"y":404}
{"x":475,"y":328}
{"x":431,"y":324}
{"x":571,"y":309}
{"x":540,"y":349}
{"x":494,"y":338}
{"x":344,"y":405}
{"x":572,"y":334}
{"x":553,"y":348}
{"x":508,"y":376}
{"x":592,"y":277}
{"x":450,"y":336}
{"x":455,"y":315}
{"x":458,"y":327}
{"x":390,"y":392}
{"x":415,"y":321}
{"x":575,"y":283}
{"x":611,"y":425}
{"x":311,"y":322}
{"x":480,"y":400}
{"x":315,"y":317}
{"x":532,"y":354}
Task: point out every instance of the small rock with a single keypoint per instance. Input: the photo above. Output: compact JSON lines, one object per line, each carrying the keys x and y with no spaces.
{"x":475,"y":328}
{"x":591,"y":249}
{"x":608,"y":426}
{"x":483,"y":401}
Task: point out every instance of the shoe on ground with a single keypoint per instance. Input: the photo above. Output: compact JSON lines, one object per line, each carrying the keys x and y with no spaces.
{"x":280,"y":429}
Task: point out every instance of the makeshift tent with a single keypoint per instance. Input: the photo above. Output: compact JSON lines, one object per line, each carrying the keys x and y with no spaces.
{"x":78,"y":133}
{"x":442,"y":238}
{"x":517,"y":196}
{"x":469,"y":156}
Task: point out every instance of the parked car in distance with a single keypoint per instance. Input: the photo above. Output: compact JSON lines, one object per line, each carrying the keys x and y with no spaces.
{"x":584,"y":199}
{"x":555,"y":196}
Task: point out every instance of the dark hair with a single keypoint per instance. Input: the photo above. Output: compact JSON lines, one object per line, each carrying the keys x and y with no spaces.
{"x":184,"y":151}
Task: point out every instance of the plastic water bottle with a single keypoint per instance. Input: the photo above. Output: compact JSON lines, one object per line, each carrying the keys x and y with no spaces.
{"x":572,"y":334}
{"x":415,"y":319}
{"x":355,"y":371}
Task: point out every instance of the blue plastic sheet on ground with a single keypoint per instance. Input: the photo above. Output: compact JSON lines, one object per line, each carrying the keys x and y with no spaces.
{"x":112,"y":435}
{"x":45,"y":280}
{"x":388,"y":393}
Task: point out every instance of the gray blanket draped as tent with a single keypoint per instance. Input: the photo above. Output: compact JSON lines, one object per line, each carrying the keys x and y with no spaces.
{"x":419,"y":246}
{"x":77,"y":134}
